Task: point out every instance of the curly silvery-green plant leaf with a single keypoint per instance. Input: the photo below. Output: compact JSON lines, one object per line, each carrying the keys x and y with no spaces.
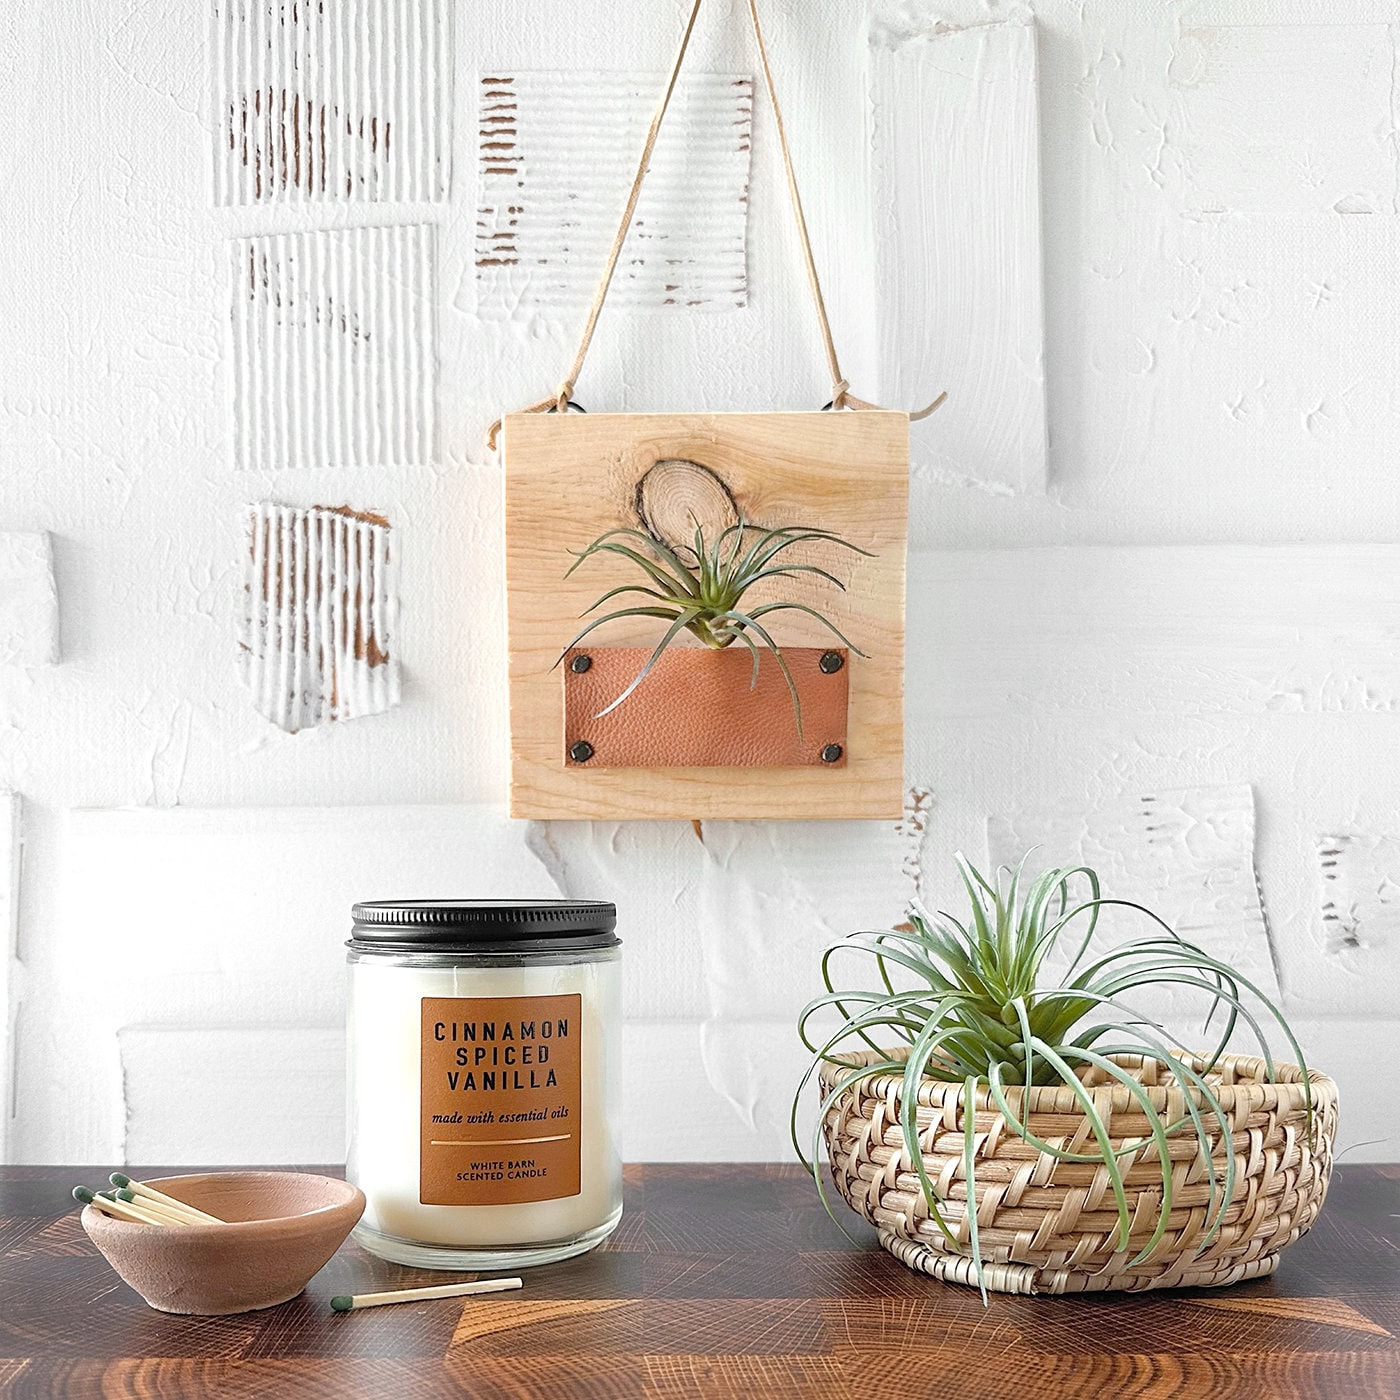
{"x":970,"y":1002}
{"x":706,"y":598}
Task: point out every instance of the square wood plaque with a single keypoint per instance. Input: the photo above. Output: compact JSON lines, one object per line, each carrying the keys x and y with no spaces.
{"x":570,"y":477}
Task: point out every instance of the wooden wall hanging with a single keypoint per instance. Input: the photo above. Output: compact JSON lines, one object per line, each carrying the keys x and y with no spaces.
{"x":570,"y":477}
{"x":707,"y":733}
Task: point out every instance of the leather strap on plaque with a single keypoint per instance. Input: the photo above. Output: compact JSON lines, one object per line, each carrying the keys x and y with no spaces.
{"x":670,"y":721}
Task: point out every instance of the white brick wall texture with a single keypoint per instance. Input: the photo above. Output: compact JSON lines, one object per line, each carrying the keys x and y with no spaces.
{"x":1154,"y":579}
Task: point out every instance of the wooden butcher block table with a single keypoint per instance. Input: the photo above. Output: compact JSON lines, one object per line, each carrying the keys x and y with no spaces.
{"x":721,"y":1281}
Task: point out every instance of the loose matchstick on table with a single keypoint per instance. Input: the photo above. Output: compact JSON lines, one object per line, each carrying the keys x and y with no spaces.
{"x":348,"y":1303}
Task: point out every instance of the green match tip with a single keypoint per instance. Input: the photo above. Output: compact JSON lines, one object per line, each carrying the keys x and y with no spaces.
{"x":342,"y":1303}
{"x":125,"y":1195}
{"x":117,"y":1179}
{"x":81,"y":1193}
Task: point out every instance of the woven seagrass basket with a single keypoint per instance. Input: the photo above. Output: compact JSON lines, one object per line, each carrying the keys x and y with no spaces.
{"x":1049,"y":1226}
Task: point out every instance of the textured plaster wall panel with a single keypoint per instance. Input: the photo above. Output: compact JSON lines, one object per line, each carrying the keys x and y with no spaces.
{"x":1144,"y":443}
{"x":1231,"y":630}
{"x":333,"y":347}
{"x":197,"y":1094}
{"x":664,"y":864}
{"x":1289,"y":324}
{"x":350,"y":100}
{"x":671,"y":1106}
{"x":228,"y":918}
{"x":1081,"y":676}
{"x":557,"y":153}
{"x":724,"y":917}
{"x":1196,"y":13}
{"x":150,"y":706}
{"x":712,"y":1091}
{"x":755,"y":1067}
{"x":1299,"y":765}
{"x":28,"y":600}
{"x":153,"y":50}
{"x":320,"y":607}
{"x":1336,"y":771}
{"x":10,"y":851}
{"x":1345,"y":1047}
{"x":775,"y":894}
{"x":956,"y":193}
{"x":1361,"y":913}
{"x":1187,"y":855}
{"x":766,"y":355}
{"x":10,"y":846}
{"x":1260,"y":125}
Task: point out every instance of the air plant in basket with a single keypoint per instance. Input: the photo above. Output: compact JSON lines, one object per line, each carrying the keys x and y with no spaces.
{"x":707,"y":597}
{"x":979,"y":1023}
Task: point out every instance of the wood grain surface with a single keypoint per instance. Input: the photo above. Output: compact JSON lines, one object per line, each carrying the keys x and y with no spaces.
{"x":569,"y":477}
{"x":722,"y":1281}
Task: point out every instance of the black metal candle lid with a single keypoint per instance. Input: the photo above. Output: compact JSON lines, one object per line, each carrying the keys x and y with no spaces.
{"x":485,"y":925}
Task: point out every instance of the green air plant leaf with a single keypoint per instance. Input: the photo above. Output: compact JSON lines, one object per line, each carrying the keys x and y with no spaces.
{"x":704,"y":598}
{"x":972,"y":1004}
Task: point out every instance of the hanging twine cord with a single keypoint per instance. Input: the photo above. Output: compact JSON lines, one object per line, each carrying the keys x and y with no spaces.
{"x":558,"y":402}
{"x":841,"y":396}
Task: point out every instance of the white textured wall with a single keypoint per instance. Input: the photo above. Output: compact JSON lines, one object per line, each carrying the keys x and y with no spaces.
{"x":1170,"y":641}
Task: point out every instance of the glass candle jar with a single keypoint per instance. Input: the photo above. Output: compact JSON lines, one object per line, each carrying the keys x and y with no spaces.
{"x":483,"y":1057}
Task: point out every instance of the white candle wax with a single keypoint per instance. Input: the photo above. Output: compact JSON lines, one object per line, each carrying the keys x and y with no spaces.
{"x":461,"y":1079}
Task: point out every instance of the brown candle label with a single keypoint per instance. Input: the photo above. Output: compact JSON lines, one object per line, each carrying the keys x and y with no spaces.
{"x":500,"y":1099}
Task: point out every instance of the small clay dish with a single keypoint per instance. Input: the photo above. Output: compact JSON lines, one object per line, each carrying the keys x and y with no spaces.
{"x":282,"y":1227}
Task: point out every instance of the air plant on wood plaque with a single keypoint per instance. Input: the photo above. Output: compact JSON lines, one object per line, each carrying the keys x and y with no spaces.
{"x":706,"y":598}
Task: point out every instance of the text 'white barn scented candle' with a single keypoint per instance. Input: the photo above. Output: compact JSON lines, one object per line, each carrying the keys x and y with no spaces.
{"x":483,"y":1046}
